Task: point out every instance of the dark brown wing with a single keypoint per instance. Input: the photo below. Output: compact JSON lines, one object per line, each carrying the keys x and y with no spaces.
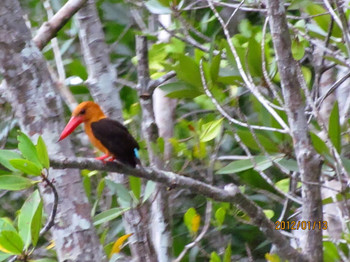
{"x":117,"y":139}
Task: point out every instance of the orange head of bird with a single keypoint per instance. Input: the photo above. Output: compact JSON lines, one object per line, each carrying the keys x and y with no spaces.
{"x":85,"y":112}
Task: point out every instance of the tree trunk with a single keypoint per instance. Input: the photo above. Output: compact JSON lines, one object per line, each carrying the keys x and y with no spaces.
{"x":309,"y":161}
{"x":39,"y":111}
{"x":102,"y":86}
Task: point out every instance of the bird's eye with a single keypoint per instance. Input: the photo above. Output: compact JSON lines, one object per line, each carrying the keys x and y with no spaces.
{"x":82,"y":112}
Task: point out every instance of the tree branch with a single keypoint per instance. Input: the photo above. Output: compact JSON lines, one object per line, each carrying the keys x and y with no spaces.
{"x":49,"y":29}
{"x":230,"y":193}
{"x":51,"y":221}
{"x":153,"y":84}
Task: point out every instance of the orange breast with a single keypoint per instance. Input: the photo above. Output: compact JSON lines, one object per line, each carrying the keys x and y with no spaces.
{"x":95,"y":141}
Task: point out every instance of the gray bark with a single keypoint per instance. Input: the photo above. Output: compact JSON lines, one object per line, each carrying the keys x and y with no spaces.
{"x":39,"y":111}
{"x":160,"y":212}
{"x":102,"y":86}
{"x":308,"y":160}
{"x":102,"y":76}
{"x":163,"y":108}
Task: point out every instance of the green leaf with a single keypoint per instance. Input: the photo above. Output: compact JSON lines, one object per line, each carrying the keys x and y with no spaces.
{"x":100,"y":188}
{"x":270,"y":257}
{"x":334,"y":128}
{"x":87,"y":186}
{"x":269,"y":213}
{"x":200,"y":150}
{"x":13,"y":182}
{"x":330,"y":253}
{"x":36,"y":224}
{"x":124,"y":198}
{"x":44,"y":260}
{"x":5,"y":156}
{"x":188,"y":71}
{"x":319,"y":144}
{"x":4,"y":256}
{"x":11,"y":241}
{"x":188,"y":217}
{"x":42,"y":153}
{"x":214,"y":257}
{"x":26,"y":166}
{"x":215,"y":67}
{"x":25,"y":217}
{"x":324,"y":20}
{"x":135,"y":186}
{"x":220,"y":216}
{"x":6,"y":224}
{"x":289,"y":164}
{"x":249,"y":140}
{"x":283,"y":184}
{"x":180,"y":90}
{"x":149,"y":189}
{"x":228,"y":253}
{"x":298,"y":48}
{"x":262,"y":163}
{"x":108,"y":215}
{"x":156,"y":7}
{"x":27,"y":148}
{"x":210,"y":130}
{"x":254,"y":58}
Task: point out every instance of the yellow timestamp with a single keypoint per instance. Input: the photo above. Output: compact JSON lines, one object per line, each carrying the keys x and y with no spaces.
{"x":304,"y":225}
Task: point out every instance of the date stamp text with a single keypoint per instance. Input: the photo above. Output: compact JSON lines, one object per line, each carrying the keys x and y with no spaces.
{"x":304,"y":225}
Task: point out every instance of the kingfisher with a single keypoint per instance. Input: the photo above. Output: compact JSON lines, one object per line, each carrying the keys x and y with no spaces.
{"x":108,"y":135}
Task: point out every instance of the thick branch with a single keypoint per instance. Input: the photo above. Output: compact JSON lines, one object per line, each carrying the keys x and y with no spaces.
{"x":231,"y":194}
{"x":50,"y":28}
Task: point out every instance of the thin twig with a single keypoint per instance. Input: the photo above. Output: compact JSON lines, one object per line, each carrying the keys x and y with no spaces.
{"x":250,"y":85}
{"x":192,"y":42}
{"x":227,"y":116}
{"x":332,"y":89}
{"x":264,"y":67}
{"x":51,"y":221}
{"x":234,"y":13}
{"x":153,"y":84}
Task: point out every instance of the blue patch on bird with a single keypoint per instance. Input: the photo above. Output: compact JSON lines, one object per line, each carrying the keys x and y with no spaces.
{"x":136,"y":153}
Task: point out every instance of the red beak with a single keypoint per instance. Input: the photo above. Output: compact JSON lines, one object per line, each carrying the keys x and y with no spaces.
{"x":72,"y":124}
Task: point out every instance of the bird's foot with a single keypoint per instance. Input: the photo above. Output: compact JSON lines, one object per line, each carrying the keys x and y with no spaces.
{"x":105,"y":158}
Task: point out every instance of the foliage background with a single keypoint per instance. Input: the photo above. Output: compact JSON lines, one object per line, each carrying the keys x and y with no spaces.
{"x":206,"y":145}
